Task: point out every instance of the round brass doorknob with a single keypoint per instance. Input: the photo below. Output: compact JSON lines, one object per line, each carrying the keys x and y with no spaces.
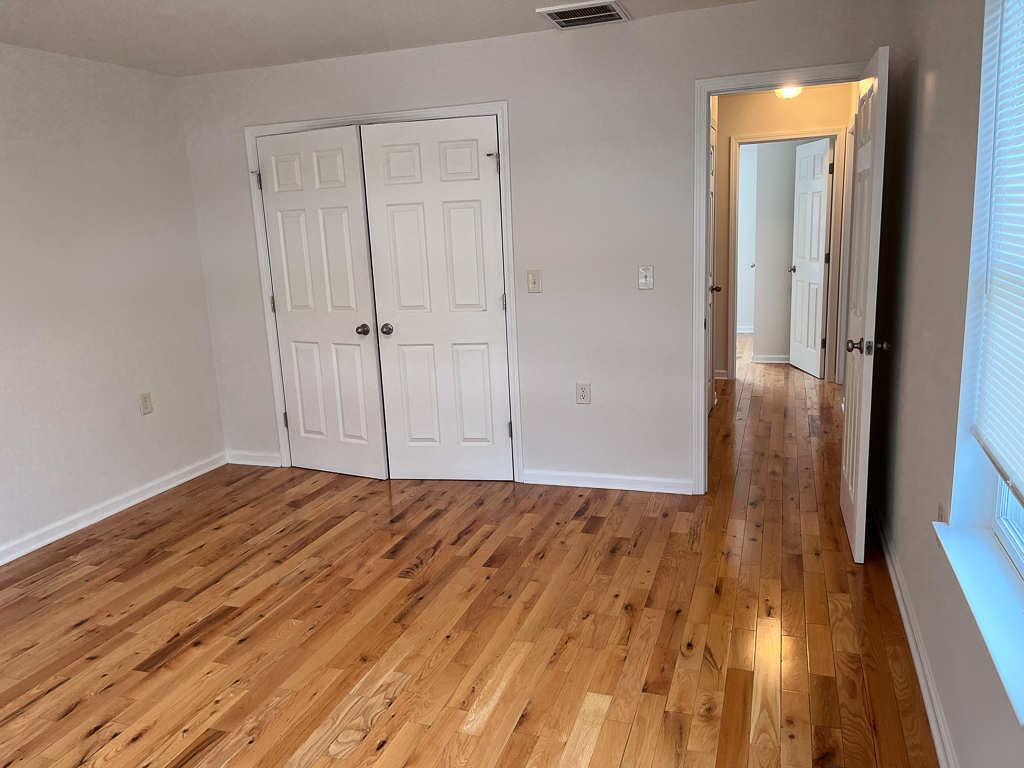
{"x":793,"y":268}
{"x":387,"y":329}
{"x":858,"y":346}
{"x":363,"y":330}
{"x":716,"y":288}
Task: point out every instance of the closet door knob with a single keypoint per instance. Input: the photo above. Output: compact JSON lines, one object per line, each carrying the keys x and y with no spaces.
{"x":363,"y":330}
{"x":716,"y":288}
{"x":387,"y":329}
{"x":793,"y":268}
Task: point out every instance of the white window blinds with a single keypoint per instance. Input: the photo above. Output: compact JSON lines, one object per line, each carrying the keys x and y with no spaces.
{"x":999,"y":421}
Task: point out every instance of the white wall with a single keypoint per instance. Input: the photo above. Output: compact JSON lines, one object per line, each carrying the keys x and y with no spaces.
{"x":101,"y":294}
{"x":930,"y":167}
{"x":746,"y":252}
{"x":773,"y":236}
{"x":601,"y":124}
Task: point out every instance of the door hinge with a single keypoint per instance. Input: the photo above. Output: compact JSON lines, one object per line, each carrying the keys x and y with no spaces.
{"x":827,"y":257}
{"x":497,"y":160}
{"x":273,"y":306}
{"x":705,"y":323}
{"x":822,"y":343}
{"x":259,"y":180}
{"x":831,"y":167}
{"x":285,"y":415}
{"x":510,"y":429}
{"x":504,"y":302}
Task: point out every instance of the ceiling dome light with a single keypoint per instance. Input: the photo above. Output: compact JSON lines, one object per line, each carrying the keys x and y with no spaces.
{"x":788,"y":92}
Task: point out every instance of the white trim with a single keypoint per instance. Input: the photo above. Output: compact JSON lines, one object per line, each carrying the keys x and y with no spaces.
{"x":933,"y":706}
{"x":704,"y":90}
{"x":254,"y":458}
{"x":735,"y":142}
{"x":744,"y":329}
{"x":79,"y":520}
{"x":769,"y":359}
{"x":616,"y":482}
{"x":497,"y":109}
{"x":720,"y":374}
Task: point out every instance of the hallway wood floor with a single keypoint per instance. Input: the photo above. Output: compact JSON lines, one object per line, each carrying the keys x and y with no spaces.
{"x":284,"y":617}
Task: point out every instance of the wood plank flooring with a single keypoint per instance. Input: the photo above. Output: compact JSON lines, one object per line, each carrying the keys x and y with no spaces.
{"x":282,"y":617}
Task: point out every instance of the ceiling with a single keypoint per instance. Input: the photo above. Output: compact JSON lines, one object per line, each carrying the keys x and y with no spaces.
{"x":188,"y":37}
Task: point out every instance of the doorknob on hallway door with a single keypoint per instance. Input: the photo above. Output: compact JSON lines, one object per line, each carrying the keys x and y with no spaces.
{"x":716,"y":288}
{"x":793,"y":268}
{"x":363,"y":330}
{"x":387,"y":329}
{"x":851,"y":346}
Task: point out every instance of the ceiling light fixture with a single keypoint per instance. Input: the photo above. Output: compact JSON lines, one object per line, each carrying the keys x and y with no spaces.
{"x":788,"y":92}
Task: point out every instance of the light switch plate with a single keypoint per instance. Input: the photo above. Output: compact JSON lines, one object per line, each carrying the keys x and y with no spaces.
{"x":583,"y":393}
{"x":533,"y":283}
{"x":645,"y":281}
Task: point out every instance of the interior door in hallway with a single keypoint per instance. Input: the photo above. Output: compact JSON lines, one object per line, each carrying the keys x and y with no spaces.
{"x":811,"y":217}
{"x":865,"y":236}
{"x":434,"y":211}
{"x":313,"y":204}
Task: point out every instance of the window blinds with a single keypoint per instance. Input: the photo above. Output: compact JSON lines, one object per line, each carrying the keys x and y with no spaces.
{"x":999,"y":421}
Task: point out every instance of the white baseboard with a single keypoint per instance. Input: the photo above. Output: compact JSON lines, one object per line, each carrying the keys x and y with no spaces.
{"x":936,"y":716}
{"x":255,"y":458}
{"x":616,"y":482}
{"x":93,"y":514}
{"x":721,"y":374}
{"x":769,"y":358}
{"x":744,"y":329}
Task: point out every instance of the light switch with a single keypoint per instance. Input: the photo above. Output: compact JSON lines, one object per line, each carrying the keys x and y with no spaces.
{"x":533,"y":281}
{"x":645,"y":281}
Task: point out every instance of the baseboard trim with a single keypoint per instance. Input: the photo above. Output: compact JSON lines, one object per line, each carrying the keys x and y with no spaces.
{"x":50,"y":533}
{"x":769,"y":358}
{"x":615,"y":482}
{"x":744,"y":329}
{"x":936,"y":716}
{"x":721,"y":374}
{"x":255,"y":458}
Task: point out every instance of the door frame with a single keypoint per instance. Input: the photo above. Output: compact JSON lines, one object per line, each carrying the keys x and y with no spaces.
{"x":834,"y":232}
{"x":496,"y":109}
{"x":704,"y":89}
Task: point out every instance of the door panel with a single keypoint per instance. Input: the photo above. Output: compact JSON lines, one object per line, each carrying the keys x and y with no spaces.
{"x":314,"y":208}
{"x":434,"y":210}
{"x":811,"y":211}
{"x":865,"y":236}
{"x":709,"y":323}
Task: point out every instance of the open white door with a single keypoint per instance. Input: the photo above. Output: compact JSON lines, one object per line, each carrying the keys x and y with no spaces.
{"x":709,"y":328}
{"x":313,"y":204}
{"x":865,"y":234}
{"x":811,"y":215}
{"x":434,"y":209}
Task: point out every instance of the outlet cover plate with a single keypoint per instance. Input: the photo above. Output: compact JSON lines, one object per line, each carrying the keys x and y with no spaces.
{"x":583,"y":393}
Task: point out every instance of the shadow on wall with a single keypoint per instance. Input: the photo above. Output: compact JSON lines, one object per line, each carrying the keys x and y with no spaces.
{"x":901,"y":124}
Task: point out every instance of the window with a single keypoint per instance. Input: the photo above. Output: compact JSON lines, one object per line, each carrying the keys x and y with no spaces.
{"x":999,"y":412}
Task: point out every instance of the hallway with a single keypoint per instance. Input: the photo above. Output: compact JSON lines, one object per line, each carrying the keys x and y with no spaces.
{"x":285,"y":617}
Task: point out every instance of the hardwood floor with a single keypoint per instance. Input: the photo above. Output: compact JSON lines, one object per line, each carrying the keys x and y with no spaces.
{"x":282,"y":617}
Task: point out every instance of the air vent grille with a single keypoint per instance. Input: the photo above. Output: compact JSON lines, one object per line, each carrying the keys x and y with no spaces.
{"x":583,"y":14}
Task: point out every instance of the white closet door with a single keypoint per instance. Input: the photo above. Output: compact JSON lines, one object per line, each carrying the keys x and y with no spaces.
{"x":811,"y":212}
{"x":434,"y":210}
{"x":313,"y":202}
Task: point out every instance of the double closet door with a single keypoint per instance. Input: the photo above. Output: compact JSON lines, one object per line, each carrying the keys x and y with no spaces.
{"x":388,"y":275}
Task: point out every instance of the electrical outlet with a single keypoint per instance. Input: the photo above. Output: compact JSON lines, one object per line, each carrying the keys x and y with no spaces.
{"x":533,"y":284}
{"x":583,"y":393}
{"x":146,"y":403}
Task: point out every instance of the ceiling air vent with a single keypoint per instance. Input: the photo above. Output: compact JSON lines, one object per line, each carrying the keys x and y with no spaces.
{"x":583,"y":14}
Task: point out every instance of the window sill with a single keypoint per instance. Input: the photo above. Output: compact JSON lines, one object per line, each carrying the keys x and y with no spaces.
{"x":995,"y":594}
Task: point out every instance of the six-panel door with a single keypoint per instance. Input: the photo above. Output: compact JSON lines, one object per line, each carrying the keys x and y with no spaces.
{"x":313,"y":202}
{"x":434,"y":212}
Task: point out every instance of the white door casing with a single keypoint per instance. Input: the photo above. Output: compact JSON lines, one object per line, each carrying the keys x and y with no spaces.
{"x":434,"y":212}
{"x":811,"y":218}
{"x":865,"y":237}
{"x":313,"y":203}
{"x":709,"y":336}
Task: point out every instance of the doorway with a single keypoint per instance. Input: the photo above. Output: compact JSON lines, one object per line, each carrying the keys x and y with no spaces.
{"x":784,"y":249}
{"x":387,"y":273}
{"x":867,"y":89}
